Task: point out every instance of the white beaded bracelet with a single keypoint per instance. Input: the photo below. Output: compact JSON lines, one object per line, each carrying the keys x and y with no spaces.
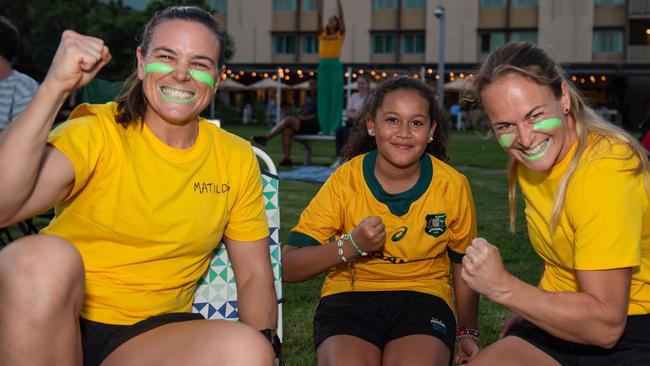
{"x":339,"y":246}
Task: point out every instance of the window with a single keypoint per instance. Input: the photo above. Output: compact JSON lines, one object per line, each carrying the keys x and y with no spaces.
{"x":525,"y":3}
{"x":384,"y":4}
{"x":309,"y":5}
{"x":413,"y":44}
{"x":220,"y":6}
{"x":493,"y":3}
{"x":610,"y":2}
{"x":491,"y":41}
{"x":309,"y":45}
{"x":608,"y":41}
{"x":284,"y":5}
{"x":284,"y":45}
{"x":414,"y":4}
{"x":383,"y":44}
{"x":528,"y":36}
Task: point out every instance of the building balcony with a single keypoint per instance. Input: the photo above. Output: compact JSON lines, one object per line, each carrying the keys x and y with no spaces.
{"x":638,"y":53}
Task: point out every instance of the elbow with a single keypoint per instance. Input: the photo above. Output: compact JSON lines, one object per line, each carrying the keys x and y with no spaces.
{"x":609,"y":334}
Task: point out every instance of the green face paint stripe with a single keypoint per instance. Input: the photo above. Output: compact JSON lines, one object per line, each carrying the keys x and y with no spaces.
{"x":547,"y":124}
{"x":506,"y":140}
{"x":203,"y":77}
{"x":158,"y":67}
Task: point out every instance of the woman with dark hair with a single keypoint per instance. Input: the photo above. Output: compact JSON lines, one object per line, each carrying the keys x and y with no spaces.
{"x":585,"y":184}
{"x":401,"y":219}
{"x":111,"y":279}
{"x":330,"y":69}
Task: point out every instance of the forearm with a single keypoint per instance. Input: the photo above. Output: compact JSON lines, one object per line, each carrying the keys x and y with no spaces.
{"x":22,"y":147}
{"x":257,"y":301}
{"x":467,"y":300}
{"x":302,"y":263}
{"x":573,"y":316}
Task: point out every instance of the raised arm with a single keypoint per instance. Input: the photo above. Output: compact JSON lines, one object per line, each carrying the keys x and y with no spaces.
{"x":341,"y":21}
{"x":594,"y":315}
{"x":34,"y":177}
{"x":319,"y":11}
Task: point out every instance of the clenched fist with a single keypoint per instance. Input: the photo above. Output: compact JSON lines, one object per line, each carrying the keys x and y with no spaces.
{"x":370,"y":234}
{"x":483,"y":270}
{"x":76,"y":62}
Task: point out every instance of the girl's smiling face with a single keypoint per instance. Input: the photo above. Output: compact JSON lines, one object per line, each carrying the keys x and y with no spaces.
{"x":530,"y":122}
{"x":402,"y":128}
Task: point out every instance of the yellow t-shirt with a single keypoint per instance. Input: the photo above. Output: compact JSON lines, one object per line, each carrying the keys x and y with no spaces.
{"x":330,"y":44}
{"x":145,"y":216}
{"x":426,"y":226}
{"x":605,"y":223}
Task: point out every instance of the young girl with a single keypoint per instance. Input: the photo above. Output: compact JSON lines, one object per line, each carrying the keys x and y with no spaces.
{"x":585,"y":185}
{"x":399,"y":218}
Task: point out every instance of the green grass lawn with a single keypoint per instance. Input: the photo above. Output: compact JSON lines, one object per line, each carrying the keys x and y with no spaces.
{"x":480,"y":159}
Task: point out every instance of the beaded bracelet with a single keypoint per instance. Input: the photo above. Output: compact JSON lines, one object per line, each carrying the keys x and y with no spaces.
{"x":348,"y":236}
{"x":339,"y":246}
{"x":470,"y":333}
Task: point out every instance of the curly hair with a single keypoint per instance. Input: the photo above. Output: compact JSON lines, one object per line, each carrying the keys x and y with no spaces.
{"x":131,"y":102}
{"x":360,"y":142}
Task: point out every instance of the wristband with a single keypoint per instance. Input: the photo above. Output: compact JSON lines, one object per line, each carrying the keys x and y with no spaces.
{"x":339,"y":246}
{"x":473,"y":334}
{"x":348,"y":236}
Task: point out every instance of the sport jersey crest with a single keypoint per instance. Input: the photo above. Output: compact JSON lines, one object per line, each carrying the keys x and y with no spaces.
{"x":435,"y":225}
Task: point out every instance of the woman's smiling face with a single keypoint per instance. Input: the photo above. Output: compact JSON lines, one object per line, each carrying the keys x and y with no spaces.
{"x":179,"y":71}
{"x":530,"y":122}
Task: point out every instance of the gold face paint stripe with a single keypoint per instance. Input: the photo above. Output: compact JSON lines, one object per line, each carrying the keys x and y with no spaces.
{"x":158,"y":67}
{"x":506,"y":140}
{"x":203,"y":77}
{"x":547,"y":124}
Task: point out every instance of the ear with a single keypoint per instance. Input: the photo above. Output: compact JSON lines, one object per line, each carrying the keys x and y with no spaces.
{"x":140,"y":58}
{"x":565,"y":99}
{"x":432,"y":131}
{"x":370,"y":124}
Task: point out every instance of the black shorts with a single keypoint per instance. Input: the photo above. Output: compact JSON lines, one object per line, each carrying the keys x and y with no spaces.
{"x":308,"y":128}
{"x":632,"y":349}
{"x":98,"y":340}
{"x":379,"y":317}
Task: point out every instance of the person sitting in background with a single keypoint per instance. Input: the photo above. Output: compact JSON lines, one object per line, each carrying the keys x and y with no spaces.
{"x":16,"y":88}
{"x":352,"y":112}
{"x":305,"y":123}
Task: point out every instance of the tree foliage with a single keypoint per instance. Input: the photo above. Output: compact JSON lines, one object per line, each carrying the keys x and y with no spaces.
{"x":41,"y":23}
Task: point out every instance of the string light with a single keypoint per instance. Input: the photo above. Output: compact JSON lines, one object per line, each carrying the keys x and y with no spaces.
{"x":274,"y":77}
{"x":437,"y":77}
{"x":354,"y":75}
{"x":347,"y":74}
{"x":228,"y":71}
{"x":603,"y":78}
{"x":429,"y":71}
{"x":361,"y":71}
{"x":253,"y":74}
{"x":373,"y":73}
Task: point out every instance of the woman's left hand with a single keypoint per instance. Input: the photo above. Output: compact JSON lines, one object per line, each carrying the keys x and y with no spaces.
{"x":483,"y":269}
{"x":466,"y":349}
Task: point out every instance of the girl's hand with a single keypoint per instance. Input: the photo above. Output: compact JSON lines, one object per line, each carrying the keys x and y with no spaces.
{"x":466,"y":349}
{"x":370,"y":234}
{"x":483,"y":270}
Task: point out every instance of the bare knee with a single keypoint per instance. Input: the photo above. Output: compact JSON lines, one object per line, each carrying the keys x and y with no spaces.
{"x":49,"y":267}
{"x":246,"y":346}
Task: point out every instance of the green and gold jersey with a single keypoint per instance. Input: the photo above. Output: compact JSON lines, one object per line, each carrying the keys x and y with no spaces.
{"x":605,"y":223}
{"x":426,"y":227}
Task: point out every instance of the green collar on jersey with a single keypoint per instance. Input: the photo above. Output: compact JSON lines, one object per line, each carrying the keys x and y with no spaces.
{"x":398,"y":204}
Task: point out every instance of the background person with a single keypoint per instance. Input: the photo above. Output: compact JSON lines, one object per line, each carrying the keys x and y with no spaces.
{"x":401,"y":218}
{"x":330,"y":69}
{"x":135,"y":225}
{"x":585,"y":183}
{"x":305,"y":123}
{"x":16,"y":88}
{"x":352,"y":113}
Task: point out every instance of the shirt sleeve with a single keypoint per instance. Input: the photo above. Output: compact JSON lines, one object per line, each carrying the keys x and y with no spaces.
{"x":24,"y":93}
{"x":82,"y":141}
{"x":247,"y":220}
{"x":463,"y":226}
{"x":322,"y":219}
{"x":605,"y":205}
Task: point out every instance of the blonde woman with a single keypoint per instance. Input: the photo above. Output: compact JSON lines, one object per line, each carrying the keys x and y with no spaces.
{"x":585,"y":186}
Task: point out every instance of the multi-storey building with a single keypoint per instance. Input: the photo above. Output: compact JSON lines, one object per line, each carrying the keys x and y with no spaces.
{"x":604,"y":44}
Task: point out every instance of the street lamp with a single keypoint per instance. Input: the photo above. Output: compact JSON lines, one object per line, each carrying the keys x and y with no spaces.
{"x":440,"y":14}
